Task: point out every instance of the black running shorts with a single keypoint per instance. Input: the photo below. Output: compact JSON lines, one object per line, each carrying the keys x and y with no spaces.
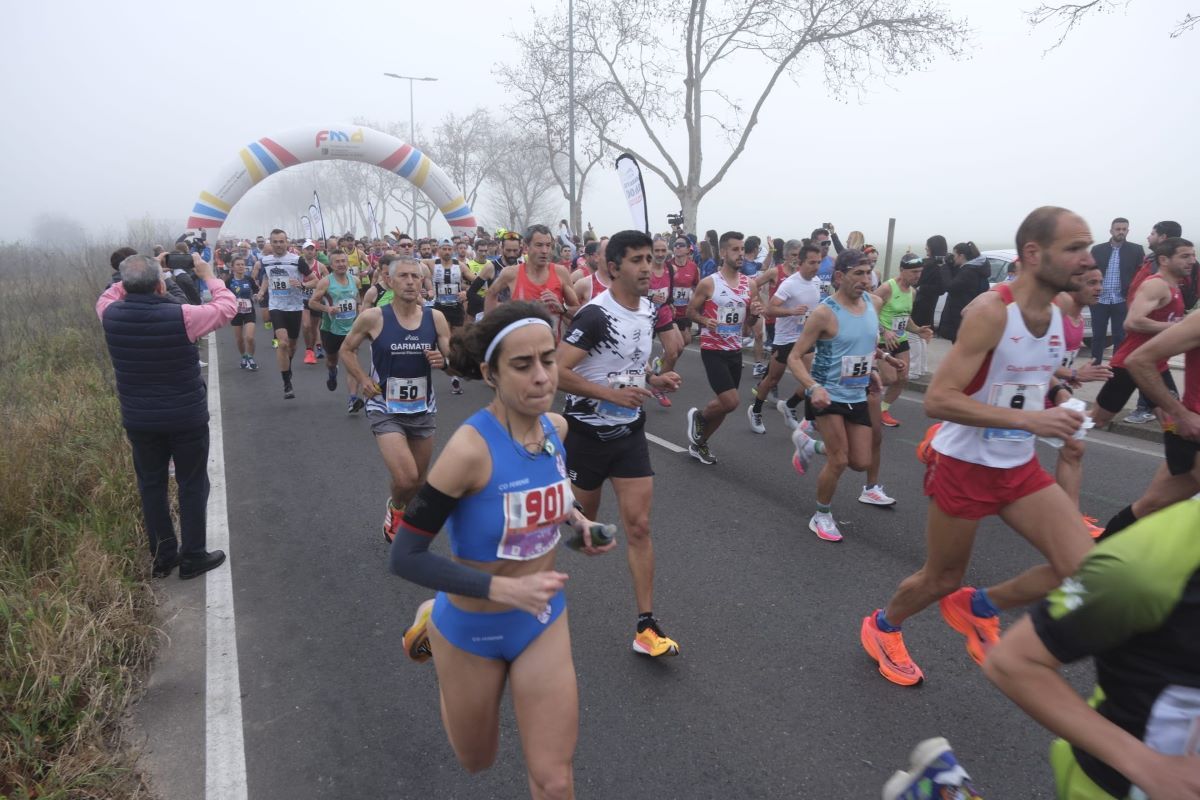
{"x":590,"y":461}
{"x":724,"y":369}
{"x":854,"y":413}
{"x":1181,"y":453}
{"x":287,"y":321}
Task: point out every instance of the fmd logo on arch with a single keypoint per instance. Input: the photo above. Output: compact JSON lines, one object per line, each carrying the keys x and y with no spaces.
{"x":338,"y":136}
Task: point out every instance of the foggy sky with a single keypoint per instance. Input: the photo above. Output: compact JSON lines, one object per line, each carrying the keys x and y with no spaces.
{"x":117,"y":114}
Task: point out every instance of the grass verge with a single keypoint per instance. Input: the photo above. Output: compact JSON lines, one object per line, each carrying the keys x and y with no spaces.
{"x":76,"y":608}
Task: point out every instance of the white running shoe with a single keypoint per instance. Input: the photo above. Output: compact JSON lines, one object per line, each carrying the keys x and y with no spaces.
{"x":760,"y":369}
{"x":824,"y":527}
{"x":789,"y":415}
{"x":876,"y":496}
{"x":806,"y":448}
{"x":756,"y":423}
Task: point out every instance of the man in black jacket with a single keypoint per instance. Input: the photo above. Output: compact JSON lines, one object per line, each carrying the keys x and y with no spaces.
{"x":1119,"y":260}
{"x":164,"y":402}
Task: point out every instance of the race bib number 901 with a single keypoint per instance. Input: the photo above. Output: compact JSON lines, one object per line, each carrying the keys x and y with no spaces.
{"x":531,"y":520}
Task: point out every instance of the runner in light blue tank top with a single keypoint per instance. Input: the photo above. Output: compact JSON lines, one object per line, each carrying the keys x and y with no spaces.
{"x":843,"y":364}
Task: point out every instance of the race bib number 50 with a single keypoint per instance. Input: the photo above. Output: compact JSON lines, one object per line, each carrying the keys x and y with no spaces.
{"x":531,"y":520}
{"x":407,"y":396}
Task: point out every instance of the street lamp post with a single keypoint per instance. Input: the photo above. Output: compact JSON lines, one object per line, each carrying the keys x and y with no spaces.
{"x":412,"y":135}
{"x":571,"y":105}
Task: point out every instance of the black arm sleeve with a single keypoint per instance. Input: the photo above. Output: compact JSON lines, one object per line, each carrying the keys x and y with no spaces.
{"x":302,"y":267}
{"x":410,"y":556}
{"x":837,"y":243}
{"x":174,"y":293}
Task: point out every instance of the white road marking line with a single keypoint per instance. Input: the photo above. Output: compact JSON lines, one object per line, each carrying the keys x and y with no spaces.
{"x":225,"y":752}
{"x":674,"y":448}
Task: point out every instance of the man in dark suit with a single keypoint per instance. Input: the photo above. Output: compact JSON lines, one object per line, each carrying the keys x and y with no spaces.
{"x":1119,"y":261}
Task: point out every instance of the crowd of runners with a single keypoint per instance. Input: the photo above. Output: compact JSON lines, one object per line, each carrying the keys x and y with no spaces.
{"x":518,"y":318}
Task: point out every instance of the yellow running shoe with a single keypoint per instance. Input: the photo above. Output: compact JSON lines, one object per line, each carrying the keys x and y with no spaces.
{"x":416,"y":638}
{"x":651,"y":641}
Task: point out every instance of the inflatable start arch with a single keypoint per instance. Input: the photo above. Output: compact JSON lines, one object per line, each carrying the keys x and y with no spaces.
{"x":271,"y":154}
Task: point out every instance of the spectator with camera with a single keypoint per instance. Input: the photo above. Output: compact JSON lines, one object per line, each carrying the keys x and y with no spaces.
{"x":164,"y":403}
{"x":968,"y":277}
{"x":180,"y":266}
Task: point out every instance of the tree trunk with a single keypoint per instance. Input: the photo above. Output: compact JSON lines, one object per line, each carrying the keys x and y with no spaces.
{"x":689,"y":202}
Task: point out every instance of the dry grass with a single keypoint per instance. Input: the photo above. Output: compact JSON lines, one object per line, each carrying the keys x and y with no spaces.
{"x":76,"y":610}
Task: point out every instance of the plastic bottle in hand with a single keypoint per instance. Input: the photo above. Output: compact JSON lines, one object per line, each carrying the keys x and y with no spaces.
{"x":602,"y":534}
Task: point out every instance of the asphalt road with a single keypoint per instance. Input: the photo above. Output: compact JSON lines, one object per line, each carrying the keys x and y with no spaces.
{"x":772,"y":695}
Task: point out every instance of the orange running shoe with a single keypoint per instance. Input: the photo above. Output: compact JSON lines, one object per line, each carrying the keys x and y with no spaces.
{"x":416,"y":638}
{"x":310,"y":357}
{"x":925,"y":450}
{"x":1092,"y":528}
{"x":981,"y":632}
{"x":889,"y":421}
{"x":392,"y":517}
{"x":889,"y":652}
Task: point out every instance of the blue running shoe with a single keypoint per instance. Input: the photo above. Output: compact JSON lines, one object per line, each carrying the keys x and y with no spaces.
{"x":934,"y":774}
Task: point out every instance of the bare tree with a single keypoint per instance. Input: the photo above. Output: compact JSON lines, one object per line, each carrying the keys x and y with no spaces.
{"x":522,"y":185}
{"x":538,"y":83}
{"x":1069,"y":15}
{"x":464,"y":147}
{"x":631,"y":77}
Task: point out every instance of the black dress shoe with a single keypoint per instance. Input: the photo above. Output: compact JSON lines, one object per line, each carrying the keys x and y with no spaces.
{"x":191,"y":566}
{"x":164,"y":567}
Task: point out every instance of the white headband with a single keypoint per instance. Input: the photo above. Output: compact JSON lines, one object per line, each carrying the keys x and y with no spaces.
{"x":509,"y":328}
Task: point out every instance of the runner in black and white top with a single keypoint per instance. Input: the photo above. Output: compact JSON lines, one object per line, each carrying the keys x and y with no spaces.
{"x":603,"y":368}
{"x":285,"y":273}
{"x":450,"y":282}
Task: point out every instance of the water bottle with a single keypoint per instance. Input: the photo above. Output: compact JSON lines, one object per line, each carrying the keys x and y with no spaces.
{"x":601,"y":533}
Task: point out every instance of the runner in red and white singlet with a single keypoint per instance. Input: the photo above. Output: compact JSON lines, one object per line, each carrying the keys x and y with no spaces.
{"x":662,"y":291}
{"x":1179,"y":477}
{"x":721,"y":304}
{"x":1155,"y":306}
{"x":990,"y":390}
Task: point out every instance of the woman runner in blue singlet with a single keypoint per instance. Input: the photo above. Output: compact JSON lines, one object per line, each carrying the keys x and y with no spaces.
{"x":501,"y":487}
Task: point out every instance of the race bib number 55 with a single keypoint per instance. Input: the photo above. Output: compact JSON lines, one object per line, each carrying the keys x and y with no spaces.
{"x":531,"y":520}
{"x":856,"y":371}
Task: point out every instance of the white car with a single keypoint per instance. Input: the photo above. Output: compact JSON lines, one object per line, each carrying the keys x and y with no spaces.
{"x":999,"y":261}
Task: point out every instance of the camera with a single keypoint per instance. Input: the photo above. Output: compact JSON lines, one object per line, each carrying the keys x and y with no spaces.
{"x":675,"y":220}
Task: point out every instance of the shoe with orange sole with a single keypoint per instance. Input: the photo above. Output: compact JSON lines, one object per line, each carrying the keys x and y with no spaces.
{"x":1092,"y":528}
{"x":981,"y":632}
{"x":925,"y":451}
{"x":889,"y":652}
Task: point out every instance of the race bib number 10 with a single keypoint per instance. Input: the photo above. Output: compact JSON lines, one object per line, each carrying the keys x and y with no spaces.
{"x":620,"y":381}
{"x":531,"y":520}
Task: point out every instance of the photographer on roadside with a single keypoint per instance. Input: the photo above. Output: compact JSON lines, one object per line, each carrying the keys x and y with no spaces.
{"x":174,"y":293}
{"x":164,"y":402}
{"x":969,"y":277}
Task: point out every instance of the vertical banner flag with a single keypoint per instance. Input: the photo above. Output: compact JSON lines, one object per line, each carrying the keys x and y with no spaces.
{"x":375,"y":234}
{"x":318,"y":218}
{"x":306,"y":223}
{"x":635,"y":190}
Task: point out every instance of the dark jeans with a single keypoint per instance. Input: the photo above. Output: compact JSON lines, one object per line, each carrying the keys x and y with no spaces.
{"x":1102,"y":316}
{"x":151,"y":453}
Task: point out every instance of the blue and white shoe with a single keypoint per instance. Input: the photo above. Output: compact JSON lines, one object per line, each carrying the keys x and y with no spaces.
{"x":934,"y":774}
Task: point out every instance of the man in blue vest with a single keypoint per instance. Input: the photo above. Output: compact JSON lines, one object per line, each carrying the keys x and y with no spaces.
{"x":164,"y":402}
